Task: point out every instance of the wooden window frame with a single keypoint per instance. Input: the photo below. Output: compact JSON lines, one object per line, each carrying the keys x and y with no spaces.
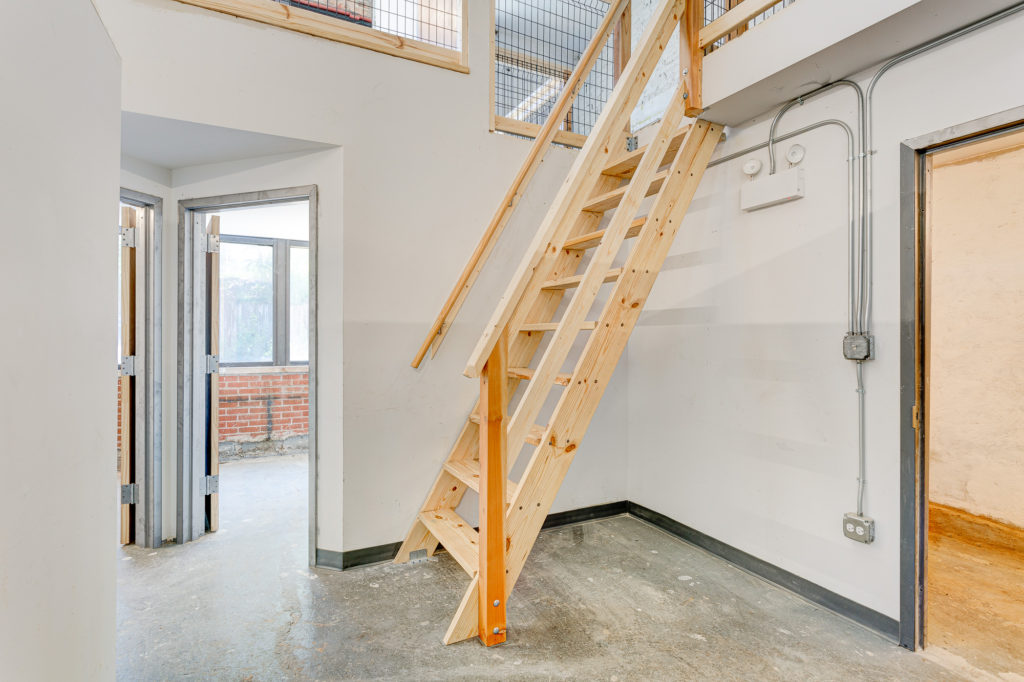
{"x":341,"y":31}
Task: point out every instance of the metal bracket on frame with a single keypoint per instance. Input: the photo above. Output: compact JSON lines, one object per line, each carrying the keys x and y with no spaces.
{"x":211,"y":485}
{"x":127,"y":236}
{"x":127,"y":366}
{"x":212,"y":244}
{"x":130,"y":493}
{"x":212,"y":364}
{"x":632,"y":143}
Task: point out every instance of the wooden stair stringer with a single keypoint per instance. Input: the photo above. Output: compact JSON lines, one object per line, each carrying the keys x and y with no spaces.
{"x":599,"y":268}
{"x":550,"y":462}
{"x":447,"y":490}
{"x":568,"y":203}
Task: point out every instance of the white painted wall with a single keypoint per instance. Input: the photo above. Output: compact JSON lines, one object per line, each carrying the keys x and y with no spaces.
{"x":975,"y":298}
{"x":422,"y":176}
{"x":742,"y":420}
{"x":58,"y":186}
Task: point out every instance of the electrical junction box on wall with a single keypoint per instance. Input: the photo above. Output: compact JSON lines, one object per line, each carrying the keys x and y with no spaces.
{"x":859,"y":528}
{"x":771,"y":190}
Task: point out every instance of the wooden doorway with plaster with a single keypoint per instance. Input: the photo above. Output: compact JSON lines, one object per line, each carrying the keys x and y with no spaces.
{"x":970,"y":399}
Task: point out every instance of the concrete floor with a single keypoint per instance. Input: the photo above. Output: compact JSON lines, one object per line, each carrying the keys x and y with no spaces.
{"x":613,"y":599}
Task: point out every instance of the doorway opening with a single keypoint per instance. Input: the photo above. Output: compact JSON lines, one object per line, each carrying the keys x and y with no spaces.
{"x":248,"y":349}
{"x":971,"y":425}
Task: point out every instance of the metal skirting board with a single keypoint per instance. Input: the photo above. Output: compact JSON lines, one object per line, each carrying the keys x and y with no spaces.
{"x":862,"y":615}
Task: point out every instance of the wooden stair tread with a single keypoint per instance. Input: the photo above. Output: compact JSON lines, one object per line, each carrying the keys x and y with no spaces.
{"x":468,"y":471}
{"x":625,"y":164}
{"x":534,"y":436}
{"x":457,"y":536}
{"x":609,"y":200}
{"x":574,"y":281}
{"x":552,"y":326}
{"x":592,"y":239}
{"x":527,"y":374}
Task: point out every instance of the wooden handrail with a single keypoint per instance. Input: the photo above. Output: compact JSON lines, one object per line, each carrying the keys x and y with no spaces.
{"x":537,"y":150}
{"x":691,"y":72}
{"x":735,"y":18}
{"x":569,"y":201}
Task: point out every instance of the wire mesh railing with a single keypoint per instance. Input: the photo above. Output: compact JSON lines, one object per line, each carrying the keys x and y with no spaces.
{"x":436,"y":22}
{"x":537,"y":43}
{"x":713,"y":9}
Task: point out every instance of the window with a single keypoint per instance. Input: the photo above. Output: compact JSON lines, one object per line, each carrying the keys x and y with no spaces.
{"x":264,"y":284}
{"x":264,"y":301}
{"x":430,"y":31}
{"x":537,"y":44}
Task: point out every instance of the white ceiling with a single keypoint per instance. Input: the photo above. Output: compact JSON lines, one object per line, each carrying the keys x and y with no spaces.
{"x":171,"y":143}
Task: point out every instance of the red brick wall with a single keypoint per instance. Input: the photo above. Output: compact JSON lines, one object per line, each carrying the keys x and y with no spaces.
{"x":271,"y":406}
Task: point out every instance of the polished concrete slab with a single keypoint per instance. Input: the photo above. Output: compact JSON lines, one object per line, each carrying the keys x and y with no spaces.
{"x":614,"y":599}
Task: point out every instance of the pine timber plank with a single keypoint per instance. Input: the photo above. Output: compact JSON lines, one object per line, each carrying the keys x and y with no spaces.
{"x":625,"y":164}
{"x":597,"y":272}
{"x":515,"y":192}
{"x":552,"y":326}
{"x":127,"y":328}
{"x":735,"y":18}
{"x":525,"y":373}
{"x":580,"y":183}
{"x":592,"y":239}
{"x":574,"y":281}
{"x":448,"y":491}
{"x":550,"y":463}
{"x":493,"y":484}
{"x":533,"y":437}
{"x":691,"y":69}
{"x":457,"y":536}
{"x":609,"y":200}
{"x":468,"y":471}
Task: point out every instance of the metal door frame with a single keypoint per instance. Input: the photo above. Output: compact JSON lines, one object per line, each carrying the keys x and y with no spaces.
{"x":192,"y":313}
{"x":913,"y":466}
{"x":148,"y":427}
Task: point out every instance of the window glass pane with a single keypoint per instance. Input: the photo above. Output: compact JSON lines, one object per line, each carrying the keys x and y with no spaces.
{"x":246,"y":303}
{"x":276,"y":221}
{"x":298,"y":304}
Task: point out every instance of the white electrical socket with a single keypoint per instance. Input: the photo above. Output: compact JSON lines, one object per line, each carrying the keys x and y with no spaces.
{"x":859,"y":528}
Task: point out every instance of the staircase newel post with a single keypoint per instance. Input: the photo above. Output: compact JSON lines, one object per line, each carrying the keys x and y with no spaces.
{"x":493,"y":477}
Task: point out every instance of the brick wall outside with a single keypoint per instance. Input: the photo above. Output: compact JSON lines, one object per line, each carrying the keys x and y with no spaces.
{"x":263,"y":413}
{"x":259,"y":413}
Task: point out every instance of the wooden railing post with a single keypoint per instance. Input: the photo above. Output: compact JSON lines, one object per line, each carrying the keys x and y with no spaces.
{"x":493,"y":439}
{"x":691,"y":56}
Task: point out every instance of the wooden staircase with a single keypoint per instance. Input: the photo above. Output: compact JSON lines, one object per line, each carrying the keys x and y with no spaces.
{"x":537,"y":323}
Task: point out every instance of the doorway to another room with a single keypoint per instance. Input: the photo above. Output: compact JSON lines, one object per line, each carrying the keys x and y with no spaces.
{"x":248,"y":302}
{"x":972,"y":391}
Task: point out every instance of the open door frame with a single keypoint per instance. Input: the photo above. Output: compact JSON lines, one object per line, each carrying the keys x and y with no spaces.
{"x":914,"y":154}
{"x":197,"y":418}
{"x":146,"y":409}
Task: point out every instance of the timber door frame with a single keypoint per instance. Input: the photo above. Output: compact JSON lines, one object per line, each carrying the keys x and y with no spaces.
{"x":192,"y":315}
{"x":914,"y":161}
{"x":147,"y":427}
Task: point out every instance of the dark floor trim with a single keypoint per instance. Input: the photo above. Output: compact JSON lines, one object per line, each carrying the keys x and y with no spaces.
{"x":374,"y":555}
{"x":598,"y":511}
{"x":884,"y":625}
